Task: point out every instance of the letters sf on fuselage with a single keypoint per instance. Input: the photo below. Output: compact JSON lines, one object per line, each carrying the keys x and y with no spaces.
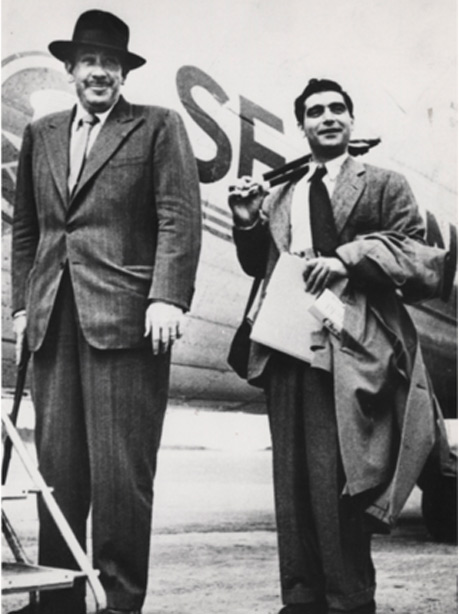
{"x":232,"y":136}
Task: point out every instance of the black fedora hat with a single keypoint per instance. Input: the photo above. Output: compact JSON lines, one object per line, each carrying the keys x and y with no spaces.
{"x":98,"y":29}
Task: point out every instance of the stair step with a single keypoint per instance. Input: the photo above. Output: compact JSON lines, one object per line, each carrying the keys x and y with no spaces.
{"x":20,"y":577}
{"x":9,"y":493}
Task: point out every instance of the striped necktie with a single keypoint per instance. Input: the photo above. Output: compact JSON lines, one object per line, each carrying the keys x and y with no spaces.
{"x":323,"y":228}
{"x":79,"y":147}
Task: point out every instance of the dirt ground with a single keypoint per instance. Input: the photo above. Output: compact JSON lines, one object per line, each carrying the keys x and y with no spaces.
{"x":236,"y":573}
{"x":214,"y":541}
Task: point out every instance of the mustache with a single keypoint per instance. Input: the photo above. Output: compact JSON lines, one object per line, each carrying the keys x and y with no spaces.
{"x":98,"y":82}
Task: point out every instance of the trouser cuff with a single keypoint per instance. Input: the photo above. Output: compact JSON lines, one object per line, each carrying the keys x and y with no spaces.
{"x":301,"y":594}
{"x":348,"y":603}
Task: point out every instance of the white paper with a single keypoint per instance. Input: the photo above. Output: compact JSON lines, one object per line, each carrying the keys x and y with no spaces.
{"x":284,"y":321}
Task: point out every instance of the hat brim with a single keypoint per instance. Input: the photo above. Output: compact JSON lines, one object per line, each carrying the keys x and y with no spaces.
{"x":64,"y":50}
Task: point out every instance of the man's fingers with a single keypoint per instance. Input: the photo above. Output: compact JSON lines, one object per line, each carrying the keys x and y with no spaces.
{"x":19,"y":344}
{"x":163,"y":337}
{"x":155,"y":338}
{"x":247,"y":188}
{"x":164,"y":323}
{"x":168,"y":336}
{"x":20,"y":341}
{"x":19,"y":327}
{"x":320,"y":281}
{"x":175,"y":332}
{"x":310,"y":273}
{"x":316,"y":276}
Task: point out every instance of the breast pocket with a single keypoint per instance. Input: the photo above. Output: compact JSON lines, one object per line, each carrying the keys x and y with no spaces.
{"x":118,"y":162}
{"x":126,"y":178}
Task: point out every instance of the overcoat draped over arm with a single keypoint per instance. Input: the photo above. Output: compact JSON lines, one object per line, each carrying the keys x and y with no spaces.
{"x":388,"y":418}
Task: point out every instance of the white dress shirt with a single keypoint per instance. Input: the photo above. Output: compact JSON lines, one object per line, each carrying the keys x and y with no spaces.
{"x":79,"y":114}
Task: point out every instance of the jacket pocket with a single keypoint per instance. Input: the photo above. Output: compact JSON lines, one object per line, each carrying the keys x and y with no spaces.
{"x":145,"y":271}
{"x":135,"y":160}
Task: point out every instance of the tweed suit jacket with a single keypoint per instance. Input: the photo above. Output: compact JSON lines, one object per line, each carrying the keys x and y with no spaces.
{"x":130,"y":233}
{"x":380,"y":234}
{"x":380,"y":382}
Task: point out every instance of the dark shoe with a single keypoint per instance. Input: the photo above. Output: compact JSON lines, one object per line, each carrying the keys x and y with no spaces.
{"x":111,"y":611}
{"x":368,"y":608}
{"x":304,"y":608}
{"x":27,"y":609}
{"x":31,"y":609}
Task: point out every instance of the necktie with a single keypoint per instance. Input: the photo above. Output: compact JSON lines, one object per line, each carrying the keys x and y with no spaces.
{"x":79,"y":148}
{"x":323,"y":229}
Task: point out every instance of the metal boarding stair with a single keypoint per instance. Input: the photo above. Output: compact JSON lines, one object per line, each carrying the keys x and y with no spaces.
{"x":22,"y":575}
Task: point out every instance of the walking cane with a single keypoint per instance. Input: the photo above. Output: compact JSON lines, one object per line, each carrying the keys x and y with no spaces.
{"x":18,"y":392}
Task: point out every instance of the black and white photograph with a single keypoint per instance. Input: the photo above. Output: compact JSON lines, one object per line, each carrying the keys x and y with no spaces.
{"x":229,"y":306}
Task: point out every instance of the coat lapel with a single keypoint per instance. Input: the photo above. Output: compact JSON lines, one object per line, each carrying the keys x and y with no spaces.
{"x":119,"y":124}
{"x":57,"y":142}
{"x":349,"y":187}
{"x":279,"y":206}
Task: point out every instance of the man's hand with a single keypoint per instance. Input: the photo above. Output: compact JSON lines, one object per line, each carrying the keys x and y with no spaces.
{"x":19,"y":328}
{"x":164,"y":322}
{"x":320,"y":273}
{"x":245,"y":199}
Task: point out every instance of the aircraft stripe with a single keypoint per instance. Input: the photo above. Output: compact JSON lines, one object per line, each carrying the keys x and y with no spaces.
{"x":219,"y":225}
{"x":213,"y":218}
{"x":222,"y":212}
{"x":217,"y":233}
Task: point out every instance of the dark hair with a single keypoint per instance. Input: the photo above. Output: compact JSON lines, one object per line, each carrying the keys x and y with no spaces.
{"x":320,"y":85}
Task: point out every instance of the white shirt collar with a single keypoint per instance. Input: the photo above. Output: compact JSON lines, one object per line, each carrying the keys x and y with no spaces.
{"x":81,"y":112}
{"x":333,"y":167}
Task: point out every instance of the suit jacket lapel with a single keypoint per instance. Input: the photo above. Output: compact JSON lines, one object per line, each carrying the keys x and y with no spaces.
{"x":57,"y":142}
{"x":279,"y":206}
{"x":349,"y":186}
{"x":119,"y":124}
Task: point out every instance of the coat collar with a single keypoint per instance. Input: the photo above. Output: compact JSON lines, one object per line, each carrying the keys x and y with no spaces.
{"x":57,"y":143}
{"x":119,"y":124}
{"x":349,"y":187}
{"x":278,"y":206}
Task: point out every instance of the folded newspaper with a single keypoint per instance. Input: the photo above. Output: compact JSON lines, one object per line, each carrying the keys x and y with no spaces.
{"x":289,"y":316}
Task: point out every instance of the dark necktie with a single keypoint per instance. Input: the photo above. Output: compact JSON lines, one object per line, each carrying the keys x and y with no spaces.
{"x":79,"y":148}
{"x":323,"y":229}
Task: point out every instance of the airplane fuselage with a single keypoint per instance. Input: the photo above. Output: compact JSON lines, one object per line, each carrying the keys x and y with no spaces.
{"x":200,"y":370}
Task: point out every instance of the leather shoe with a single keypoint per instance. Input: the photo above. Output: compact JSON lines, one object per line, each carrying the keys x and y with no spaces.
{"x":27,"y":609}
{"x":367,"y":608}
{"x":304,"y":608}
{"x":112,"y":611}
{"x":31,"y":609}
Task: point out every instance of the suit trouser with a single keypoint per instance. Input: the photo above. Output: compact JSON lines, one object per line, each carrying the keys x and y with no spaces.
{"x":324,"y":551}
{"x":99,"y":417}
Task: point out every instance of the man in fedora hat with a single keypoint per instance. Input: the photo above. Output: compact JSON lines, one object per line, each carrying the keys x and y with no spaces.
{"x":106,"y":240}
